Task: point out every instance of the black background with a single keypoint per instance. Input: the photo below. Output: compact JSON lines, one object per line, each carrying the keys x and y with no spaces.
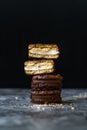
{"x":46,"y":21}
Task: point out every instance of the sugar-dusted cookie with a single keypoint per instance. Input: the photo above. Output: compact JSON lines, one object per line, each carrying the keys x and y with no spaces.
{"x":38,"y":67}
{"x":48,"y":51}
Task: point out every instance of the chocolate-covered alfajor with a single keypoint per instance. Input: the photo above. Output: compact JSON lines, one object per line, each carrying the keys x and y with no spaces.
{"x":46,"y":89}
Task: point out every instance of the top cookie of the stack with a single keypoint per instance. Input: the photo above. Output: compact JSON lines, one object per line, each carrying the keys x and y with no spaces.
{"x":47,"y":51}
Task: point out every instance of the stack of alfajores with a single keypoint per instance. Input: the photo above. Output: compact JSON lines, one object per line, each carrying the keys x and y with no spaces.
{"x":45,"y":86}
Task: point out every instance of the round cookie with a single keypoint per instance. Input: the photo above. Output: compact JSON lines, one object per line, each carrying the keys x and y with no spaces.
{"x":47,"y":51}
{"x":33,"y":67}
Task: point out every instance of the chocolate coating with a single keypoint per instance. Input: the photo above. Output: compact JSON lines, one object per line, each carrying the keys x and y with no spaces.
{"x":46,"y":89}
{"x":50,"y":92}
{"x":48,"y":76}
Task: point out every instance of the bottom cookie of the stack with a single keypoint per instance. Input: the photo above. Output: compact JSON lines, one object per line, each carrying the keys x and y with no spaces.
{"x":46,"y":99}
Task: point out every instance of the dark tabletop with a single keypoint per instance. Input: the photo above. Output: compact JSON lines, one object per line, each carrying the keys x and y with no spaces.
{"x":18,"y":113}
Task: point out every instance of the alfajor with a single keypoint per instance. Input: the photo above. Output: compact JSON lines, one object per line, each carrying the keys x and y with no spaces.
{"x":38,"y":66}
{"x":48,"y":51}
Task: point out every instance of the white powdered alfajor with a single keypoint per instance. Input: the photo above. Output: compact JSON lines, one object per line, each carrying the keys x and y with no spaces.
{"x":39,"y":66}
{"x":48,"y":51}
